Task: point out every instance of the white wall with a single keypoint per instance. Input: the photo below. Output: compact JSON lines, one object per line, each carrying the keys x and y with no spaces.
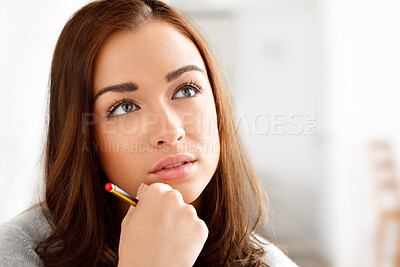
{"x":29,"y":31}
{"x":362,"y":41}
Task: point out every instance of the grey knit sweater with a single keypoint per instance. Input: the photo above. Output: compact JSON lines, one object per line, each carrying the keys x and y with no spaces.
{"x":18,"y":241}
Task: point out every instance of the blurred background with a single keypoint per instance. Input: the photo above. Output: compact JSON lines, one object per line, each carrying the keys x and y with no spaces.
{"x":314,"y":85}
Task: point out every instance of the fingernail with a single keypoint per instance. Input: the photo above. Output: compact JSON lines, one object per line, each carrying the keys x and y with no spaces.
{"x":140,"y":189}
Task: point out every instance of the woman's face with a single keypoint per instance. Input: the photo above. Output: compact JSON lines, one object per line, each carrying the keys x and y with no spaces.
{"x":153,"y":102}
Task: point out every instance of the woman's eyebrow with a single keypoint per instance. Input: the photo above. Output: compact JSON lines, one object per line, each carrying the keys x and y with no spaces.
{"x":176,"y":73}
{"x":131,"y":87}
{"x":123,"y":87}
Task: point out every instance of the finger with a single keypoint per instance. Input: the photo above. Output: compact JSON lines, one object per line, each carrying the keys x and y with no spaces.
{"x":162,"y":187}
{"x":140,"y":190}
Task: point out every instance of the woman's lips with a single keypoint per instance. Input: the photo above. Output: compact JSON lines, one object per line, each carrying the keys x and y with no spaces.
{"x":172,"y":160}
{"x":175,"y":173}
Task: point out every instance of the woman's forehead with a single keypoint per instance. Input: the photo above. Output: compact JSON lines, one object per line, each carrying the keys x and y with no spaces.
{"x":149,"y":53}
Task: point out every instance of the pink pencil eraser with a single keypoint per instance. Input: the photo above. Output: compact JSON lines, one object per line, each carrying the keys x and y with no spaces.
{"x":109,"y":187}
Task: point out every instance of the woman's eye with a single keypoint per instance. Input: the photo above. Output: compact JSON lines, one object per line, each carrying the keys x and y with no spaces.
{"x":123,"y":108}
{"x":187,"y":91}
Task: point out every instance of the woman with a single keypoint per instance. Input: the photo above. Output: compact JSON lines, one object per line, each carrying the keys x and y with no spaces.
{"x":136,"y":99}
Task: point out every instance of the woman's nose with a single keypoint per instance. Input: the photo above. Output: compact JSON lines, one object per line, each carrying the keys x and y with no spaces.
{"x":168,"y":131}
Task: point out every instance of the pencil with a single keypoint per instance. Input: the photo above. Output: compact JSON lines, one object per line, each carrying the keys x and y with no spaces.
{"x":115,"y":190}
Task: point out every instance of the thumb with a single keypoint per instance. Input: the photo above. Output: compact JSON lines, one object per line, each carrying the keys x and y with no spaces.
{"x":140,"y":189}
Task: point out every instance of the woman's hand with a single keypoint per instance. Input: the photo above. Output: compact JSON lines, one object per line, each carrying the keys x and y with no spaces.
{"x":161,"y":231}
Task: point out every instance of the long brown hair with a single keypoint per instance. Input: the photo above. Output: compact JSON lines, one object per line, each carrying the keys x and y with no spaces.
{"x":81,"y":212}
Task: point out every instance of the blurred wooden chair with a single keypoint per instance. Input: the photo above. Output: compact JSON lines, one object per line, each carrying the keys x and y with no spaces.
{"x":387,"y":190}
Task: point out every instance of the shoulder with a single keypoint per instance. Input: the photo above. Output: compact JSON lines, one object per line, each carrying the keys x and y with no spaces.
{"x":18,"y":238}
{"x":274,"y":257}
